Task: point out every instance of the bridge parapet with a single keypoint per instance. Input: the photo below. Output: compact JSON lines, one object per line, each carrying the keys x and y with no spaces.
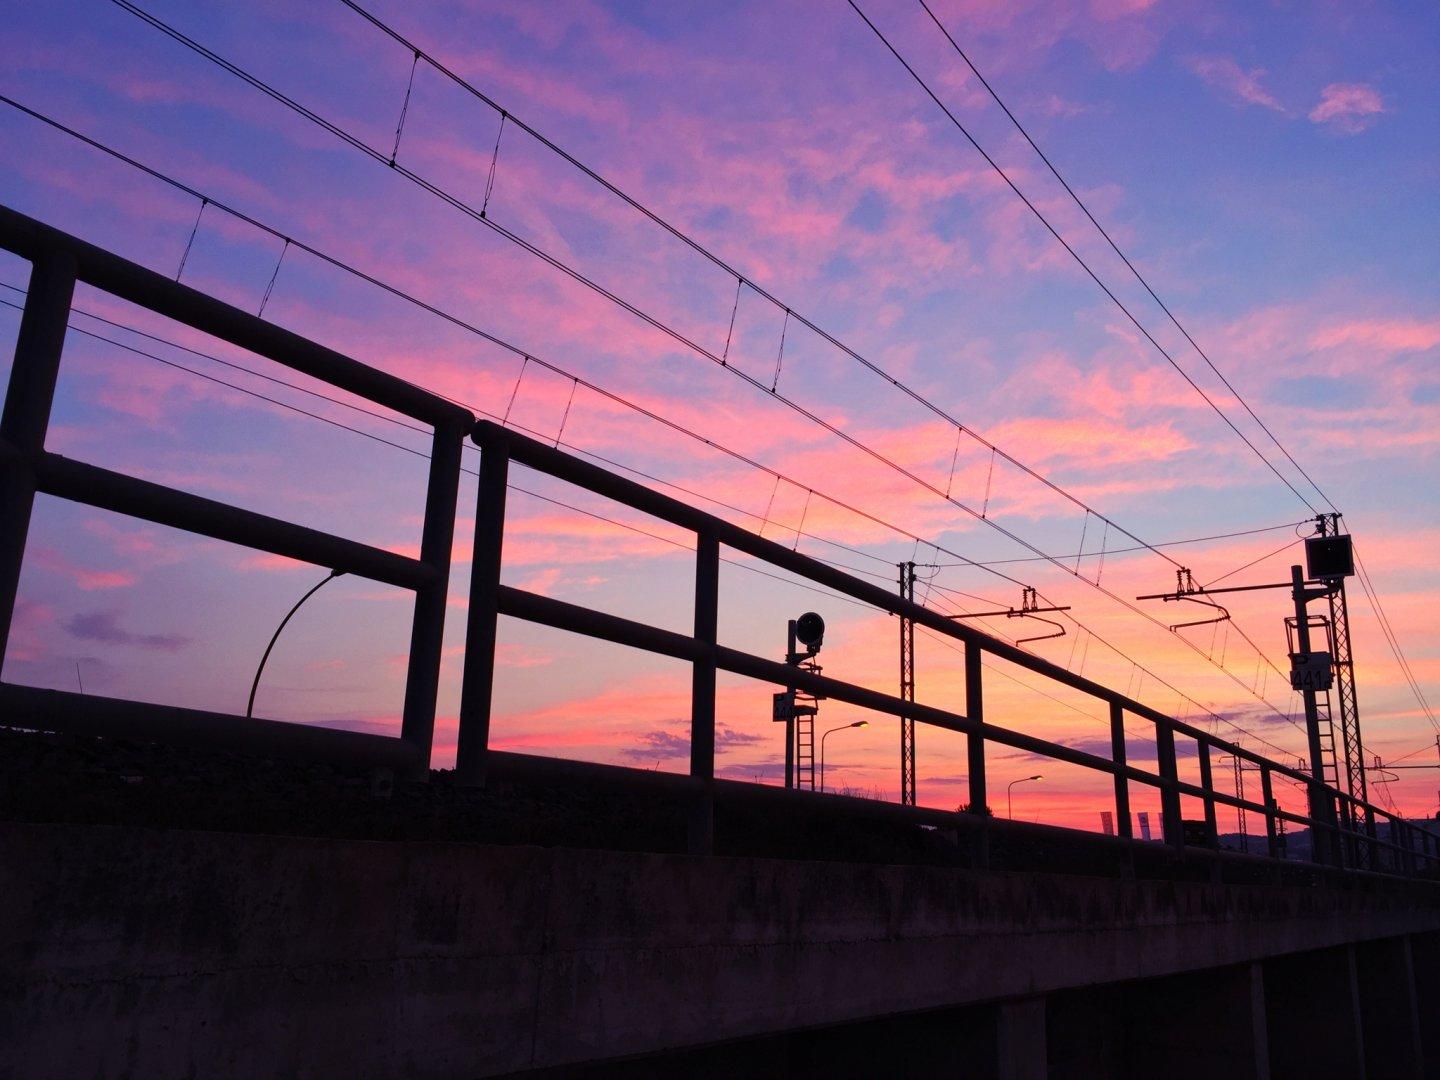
{"x":156,"y":951}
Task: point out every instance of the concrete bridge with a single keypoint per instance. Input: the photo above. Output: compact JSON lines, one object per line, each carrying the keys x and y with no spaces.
{"x":142,"y":952}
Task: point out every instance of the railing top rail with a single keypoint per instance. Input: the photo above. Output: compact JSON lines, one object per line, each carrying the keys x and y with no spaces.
{"x":547,"y":459}
{"x":130,"y":281}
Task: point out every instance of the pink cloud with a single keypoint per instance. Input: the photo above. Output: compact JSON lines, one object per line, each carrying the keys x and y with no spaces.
{"x":1227,"y":75}
{"x":83,"y":577}
{"x":1390,"y":335}
{"x":1348,"y":107}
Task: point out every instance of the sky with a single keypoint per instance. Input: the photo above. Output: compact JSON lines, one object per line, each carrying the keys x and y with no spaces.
{"x":1271,"y":169}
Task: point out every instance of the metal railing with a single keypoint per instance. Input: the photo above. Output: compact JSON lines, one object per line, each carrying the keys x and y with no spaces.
{"x":1408,"y":850}
{"x":26,"y":468}
{"x":58,"y":263}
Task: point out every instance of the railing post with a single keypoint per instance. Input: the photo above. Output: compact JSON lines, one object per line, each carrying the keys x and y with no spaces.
{"x":1172,"y":825}
{"x":1267,"y":794}
{"x":701,"y":831}
{"x":1122,"y":782}
{"x":427,"y":632}
{"x":27,"y":413}
{"x":975,"y":743}
{"x":1325,"y":844}
{"x":1372,"y":846}
{"x":480,"y":627}
{"x":1207,"y":781}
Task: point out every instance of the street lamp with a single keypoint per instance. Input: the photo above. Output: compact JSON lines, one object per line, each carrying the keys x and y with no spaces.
{"x":1009,"y":808}
{"x":842,"y":727}
{"x":250,"y":706}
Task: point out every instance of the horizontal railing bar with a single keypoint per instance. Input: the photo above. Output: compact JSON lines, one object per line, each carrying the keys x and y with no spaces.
{"x":561,"y":615}
{"x":585,"y":474}
{"x":81,"y":482}
{"x":118,"y":718}
{"x":130,"y":281}
{"x":547,"y":611}
{"x":557,"y":463}
{"x":573,"y":618}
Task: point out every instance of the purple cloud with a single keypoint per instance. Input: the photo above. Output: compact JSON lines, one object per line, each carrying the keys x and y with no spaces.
{"x":102,"y":626}
{"x":667,"y":744}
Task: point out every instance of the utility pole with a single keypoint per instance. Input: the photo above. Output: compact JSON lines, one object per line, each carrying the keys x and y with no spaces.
{"x":1028,"y":609}
{"x":907,"y":687}
{"x":1345,"y":677}
{"x":1322,"y":809}
{"x":1329,"y":559}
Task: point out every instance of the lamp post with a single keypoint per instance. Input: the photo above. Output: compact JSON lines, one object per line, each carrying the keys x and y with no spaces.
{"x":1009,"y":806}
{"x":842,"y":727}
{"x":250,"y":706}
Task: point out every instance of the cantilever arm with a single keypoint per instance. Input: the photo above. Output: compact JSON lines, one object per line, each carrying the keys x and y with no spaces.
{"x":1059,"y":629}
{"x":1224,"y":615}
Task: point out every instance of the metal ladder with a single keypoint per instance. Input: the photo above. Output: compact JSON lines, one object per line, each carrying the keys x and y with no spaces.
{"x":805,"y":752}
{"x":1329,"y":765}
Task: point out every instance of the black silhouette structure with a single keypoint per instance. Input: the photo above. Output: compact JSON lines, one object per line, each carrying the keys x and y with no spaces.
{"x":26,"y":468}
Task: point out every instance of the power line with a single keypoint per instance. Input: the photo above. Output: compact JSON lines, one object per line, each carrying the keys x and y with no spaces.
{"x":709,"y":255}
{"x":1123,"y":257}
{"x":1128,"y":550}
{"x":291,"y":407}
{"x":611,"y":462}
{"x":1392,"y":640}
{"x":1073,"y":253}
{"x":656,"y":323}
{"x":700,"y":350}
{"x":1253,"y":562}
{"x":661,"y":419}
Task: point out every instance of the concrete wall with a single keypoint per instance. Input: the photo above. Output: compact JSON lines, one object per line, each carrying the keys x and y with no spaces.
{"x":169,"y":953}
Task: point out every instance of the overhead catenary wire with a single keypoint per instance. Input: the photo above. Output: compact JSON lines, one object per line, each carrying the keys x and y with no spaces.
{"x":411,"y":427}
{"x":709,"y":255}
{"x":1160,"y":543}
{"x":692,"y":345}
{"x":1085,"y":266}
{"x":651,"y":414}
{"x":1123,"y":257}
{"x":1392,"y":640}
{"x":741,"y":278}
{"x":413,"y":451}
{"x":1253,"y":562}
{"x":743,"y":564}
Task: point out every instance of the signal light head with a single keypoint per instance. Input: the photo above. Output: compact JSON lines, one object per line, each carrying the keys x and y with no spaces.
{"x":810,"y":631}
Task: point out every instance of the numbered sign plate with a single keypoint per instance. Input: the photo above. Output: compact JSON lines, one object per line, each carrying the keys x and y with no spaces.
{"x":1311,"y":671}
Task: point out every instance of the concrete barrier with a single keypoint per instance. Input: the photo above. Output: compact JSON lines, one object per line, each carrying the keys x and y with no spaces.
{"x":173,"y":953}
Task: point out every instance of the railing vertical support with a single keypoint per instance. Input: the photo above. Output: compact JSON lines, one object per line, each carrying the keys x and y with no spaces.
{"x":975,"y":745}
{"x":1267,"y":795}
{"x":27,"y":413}
{"x":1172,"y":825}
{"x":480,"y":627}
{"x":1122,"y":783}
{"x":427,"y":633}
{"x":1207,"y":781}
{"x":701,"y":833}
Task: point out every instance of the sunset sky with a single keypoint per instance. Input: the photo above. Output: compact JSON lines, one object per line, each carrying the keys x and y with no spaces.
{"x":1271,"y":169}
